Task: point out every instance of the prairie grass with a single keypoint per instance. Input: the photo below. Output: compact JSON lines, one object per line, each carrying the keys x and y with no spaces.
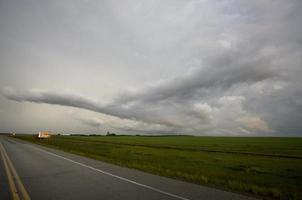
{"x":270,"y":168}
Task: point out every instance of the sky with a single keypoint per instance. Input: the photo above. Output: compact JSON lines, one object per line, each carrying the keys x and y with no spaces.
{"x":198,"y":67}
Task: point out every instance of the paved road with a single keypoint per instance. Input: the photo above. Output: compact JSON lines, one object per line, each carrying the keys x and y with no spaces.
{"x":51,"y":174}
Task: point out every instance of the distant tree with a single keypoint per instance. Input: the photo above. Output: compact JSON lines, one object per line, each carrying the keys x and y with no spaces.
{"x":110,"y":134}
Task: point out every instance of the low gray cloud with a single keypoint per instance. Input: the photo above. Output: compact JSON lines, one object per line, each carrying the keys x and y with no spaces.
{"x":95,"y":122}
{"x":168,"y":109}
{"x":196,"y":67}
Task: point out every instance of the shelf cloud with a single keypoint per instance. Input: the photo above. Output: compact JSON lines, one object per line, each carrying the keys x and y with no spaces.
{"x":173,"y":67}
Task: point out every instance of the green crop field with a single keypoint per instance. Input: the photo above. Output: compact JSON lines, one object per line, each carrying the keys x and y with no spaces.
{"x":266,"y":167}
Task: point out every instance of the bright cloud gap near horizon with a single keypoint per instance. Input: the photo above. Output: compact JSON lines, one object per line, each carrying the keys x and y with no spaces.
{"x":151,"y":67}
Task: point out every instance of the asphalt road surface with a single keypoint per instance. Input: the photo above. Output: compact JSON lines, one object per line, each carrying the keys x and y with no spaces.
{"x":29,"y":171}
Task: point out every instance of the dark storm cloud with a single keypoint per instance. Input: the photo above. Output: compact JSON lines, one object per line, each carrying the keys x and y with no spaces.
{"x":237,"y":67}
{"x":223,"y":72}
{"x":91,"y":122}
{"x":54,"y":98}
{"x":149,"y":104}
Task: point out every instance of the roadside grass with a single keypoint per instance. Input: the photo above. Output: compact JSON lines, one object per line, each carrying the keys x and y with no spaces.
{"x":269,"y":168}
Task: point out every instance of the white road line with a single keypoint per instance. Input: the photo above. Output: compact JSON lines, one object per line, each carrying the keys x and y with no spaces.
{"x":113,"y":175}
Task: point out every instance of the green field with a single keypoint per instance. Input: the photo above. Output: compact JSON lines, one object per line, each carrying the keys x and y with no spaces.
{"x":269,"y":167}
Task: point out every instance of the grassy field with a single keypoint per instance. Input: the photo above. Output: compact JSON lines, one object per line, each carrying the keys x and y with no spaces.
{"x":270,"y":168}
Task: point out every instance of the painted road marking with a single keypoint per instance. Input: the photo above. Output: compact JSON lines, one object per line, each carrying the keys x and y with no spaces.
{"x":11,"y":183}
{"x":25,"y":195}
{"x":113,"y":175}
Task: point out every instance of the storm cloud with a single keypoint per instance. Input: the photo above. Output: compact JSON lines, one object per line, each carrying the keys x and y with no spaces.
{"x":173,"y":67}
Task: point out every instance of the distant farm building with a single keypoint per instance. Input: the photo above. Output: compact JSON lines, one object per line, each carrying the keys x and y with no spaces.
{"x":44,"y":134}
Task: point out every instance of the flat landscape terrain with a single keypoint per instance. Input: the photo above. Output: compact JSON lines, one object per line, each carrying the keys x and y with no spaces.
{"x":31,"y":171}
{"x":270,"y":168}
